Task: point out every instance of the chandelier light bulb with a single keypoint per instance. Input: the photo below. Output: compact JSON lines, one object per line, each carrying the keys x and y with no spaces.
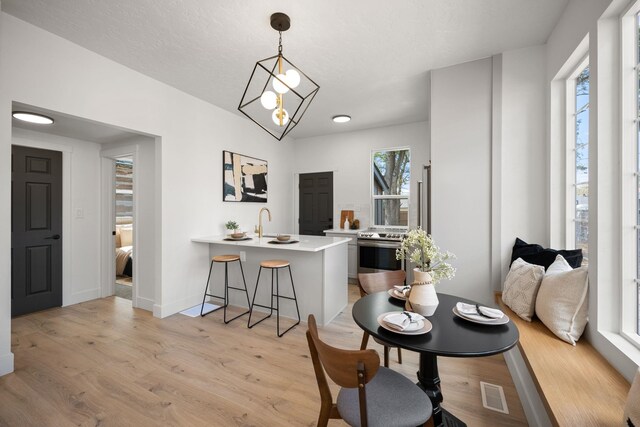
{"x":292,"y":78}
{"x":278,"y":85}
{"x":269,"y":100}
{"x":276,"y":117}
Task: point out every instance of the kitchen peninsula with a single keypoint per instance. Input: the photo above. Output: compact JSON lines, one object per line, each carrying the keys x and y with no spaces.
{"x":318,"y":265}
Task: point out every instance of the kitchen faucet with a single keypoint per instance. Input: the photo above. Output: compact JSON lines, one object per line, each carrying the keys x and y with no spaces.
{"x":260,"y":221}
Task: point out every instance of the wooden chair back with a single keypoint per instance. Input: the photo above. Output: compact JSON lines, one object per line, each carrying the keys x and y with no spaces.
{"x":370,"y":283}
{"x":347,"y":368}
{"x":341,"y":365}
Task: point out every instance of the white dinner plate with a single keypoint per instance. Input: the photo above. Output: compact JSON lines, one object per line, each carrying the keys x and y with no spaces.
{"x":476,"y":319}
{"x":394,"y":294}
{"x":426,"y":326}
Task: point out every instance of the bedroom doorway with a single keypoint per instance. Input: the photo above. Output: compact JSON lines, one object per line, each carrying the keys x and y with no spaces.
{"x":124,"y":225}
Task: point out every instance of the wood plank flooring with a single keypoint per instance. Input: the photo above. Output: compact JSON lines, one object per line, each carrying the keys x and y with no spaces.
{"x":104,"y":363}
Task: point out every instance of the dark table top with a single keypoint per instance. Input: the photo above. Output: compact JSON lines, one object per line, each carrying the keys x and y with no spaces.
{"x":450,"y":336}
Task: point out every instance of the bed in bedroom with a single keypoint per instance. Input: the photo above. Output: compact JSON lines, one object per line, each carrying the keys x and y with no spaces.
{"x":124,"y":250}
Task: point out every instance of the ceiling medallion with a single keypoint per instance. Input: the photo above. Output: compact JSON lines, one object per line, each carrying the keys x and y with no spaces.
{"x":278,"y":93}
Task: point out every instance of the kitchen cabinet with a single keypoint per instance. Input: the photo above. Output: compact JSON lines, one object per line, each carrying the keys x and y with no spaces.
{"x":352,"y":248}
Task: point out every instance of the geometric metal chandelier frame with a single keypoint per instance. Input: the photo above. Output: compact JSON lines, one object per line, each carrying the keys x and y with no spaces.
{"x":293,"y":89}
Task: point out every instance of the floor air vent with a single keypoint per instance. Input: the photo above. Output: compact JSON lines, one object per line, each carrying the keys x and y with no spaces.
{"x":493,"y":397}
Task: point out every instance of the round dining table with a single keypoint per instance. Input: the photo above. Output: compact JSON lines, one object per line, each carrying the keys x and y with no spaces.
{"x":451,"y":336}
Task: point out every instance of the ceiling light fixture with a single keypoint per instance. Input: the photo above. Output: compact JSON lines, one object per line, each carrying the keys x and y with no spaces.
{"x":272,"y":78}
{"x":32,"y":117}
{"x":342,"y":118}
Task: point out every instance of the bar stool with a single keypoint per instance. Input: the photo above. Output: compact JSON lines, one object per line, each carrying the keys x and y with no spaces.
{"x":275,"y":265}
{"x":226,"y":259}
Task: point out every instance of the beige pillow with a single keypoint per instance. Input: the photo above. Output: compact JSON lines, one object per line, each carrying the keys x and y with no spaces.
{"x":632,"y":408}
{"x":562,"y":303}
{"x":126,"y":236}
{"x":521,"y":288}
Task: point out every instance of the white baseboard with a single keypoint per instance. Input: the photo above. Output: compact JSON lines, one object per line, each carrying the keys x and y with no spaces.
{"x":145,"y":304}
{"x":166,"y":310}
{"x":6,"y":364}
{"x":83,"y":296}
{"x":532,"y":405}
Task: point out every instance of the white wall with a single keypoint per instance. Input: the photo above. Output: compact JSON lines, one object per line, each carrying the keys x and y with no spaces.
{"x":193,"y":133}
{"x":523,"y":153}
{"x":348,"y":155}
{"x":461,"y":139}
{"x":81,"y":268}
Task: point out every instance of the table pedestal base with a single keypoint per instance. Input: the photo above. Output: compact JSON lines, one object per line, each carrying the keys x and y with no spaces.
{"x":429,"y":381}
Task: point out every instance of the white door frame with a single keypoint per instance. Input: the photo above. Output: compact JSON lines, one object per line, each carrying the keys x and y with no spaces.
{"x":107,"y":220}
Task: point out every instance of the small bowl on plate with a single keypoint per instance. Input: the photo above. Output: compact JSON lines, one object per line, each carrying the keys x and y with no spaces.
{"x":283,"y":237}
{"x":238,"y":235}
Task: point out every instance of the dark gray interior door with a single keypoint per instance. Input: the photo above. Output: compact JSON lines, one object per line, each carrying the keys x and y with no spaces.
{"x":316,"y":203}
{"x":36,"y":229}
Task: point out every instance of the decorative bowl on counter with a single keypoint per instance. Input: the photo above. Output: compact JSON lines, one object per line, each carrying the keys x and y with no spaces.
{"x":283,"y":237}
{"x":238,"y":235}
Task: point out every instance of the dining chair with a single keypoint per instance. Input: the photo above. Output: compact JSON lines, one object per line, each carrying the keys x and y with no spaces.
{"x":369,"y":283}
{"x":371,"y":395}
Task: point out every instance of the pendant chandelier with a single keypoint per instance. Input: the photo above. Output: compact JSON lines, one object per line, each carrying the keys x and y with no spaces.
{"x":278,"y":93}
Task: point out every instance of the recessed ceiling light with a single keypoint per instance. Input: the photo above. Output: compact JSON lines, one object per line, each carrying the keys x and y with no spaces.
{"x":32,"y":118}
{"x":342,"y":118}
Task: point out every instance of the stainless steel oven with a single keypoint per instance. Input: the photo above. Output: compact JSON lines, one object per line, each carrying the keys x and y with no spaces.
{"x":377,"y":250}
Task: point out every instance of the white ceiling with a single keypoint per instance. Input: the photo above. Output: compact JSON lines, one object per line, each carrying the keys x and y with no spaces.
{"x":370,"y":57}
{"x":71,"y":127}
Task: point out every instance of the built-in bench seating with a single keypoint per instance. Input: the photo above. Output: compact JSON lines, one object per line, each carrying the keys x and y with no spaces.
{"x":577,"y":385}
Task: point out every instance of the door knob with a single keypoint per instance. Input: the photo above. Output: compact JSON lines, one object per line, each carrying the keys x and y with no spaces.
{"x":54,"y":237}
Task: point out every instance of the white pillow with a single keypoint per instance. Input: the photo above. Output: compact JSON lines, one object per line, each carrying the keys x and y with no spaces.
{"x":562,"y":303}
{"x":521,"y":287}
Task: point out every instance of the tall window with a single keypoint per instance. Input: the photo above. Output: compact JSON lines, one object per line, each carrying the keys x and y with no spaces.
{"x":636,"y":190}
{"x":581,"y":161}
{"x":390,"y":186}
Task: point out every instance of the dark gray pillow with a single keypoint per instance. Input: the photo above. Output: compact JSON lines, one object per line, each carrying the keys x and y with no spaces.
{"x":536,"y":254}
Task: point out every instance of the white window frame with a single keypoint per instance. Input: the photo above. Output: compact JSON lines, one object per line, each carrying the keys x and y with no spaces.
{"x":375,"y":197}
{"x":629,"y":176}
{"x":570,"y":146}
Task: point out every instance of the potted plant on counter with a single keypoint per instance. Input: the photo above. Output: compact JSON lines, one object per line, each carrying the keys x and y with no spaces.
{"x":233,"y":227}
{"x":431,"y":267}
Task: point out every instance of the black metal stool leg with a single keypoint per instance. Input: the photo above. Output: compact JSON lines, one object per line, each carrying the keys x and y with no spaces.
{"x":206,"y":294}
{"x":238,"y":289}
{"x":253,"y":304}
{"x":295,"y":299}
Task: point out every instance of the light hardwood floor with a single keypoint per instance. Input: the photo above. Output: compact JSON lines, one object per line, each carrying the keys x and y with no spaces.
{"x":104,"y":363}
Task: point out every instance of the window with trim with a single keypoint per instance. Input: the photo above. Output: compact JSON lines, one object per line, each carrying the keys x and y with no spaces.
{"x":630,"y":175}
{"x":578,"y":159}
{"x":390,"y":186}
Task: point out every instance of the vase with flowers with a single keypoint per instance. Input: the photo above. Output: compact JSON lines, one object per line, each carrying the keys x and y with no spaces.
{"x":432,"y":266}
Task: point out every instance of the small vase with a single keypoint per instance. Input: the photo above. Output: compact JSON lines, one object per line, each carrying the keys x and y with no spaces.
{"x":423,"y":297}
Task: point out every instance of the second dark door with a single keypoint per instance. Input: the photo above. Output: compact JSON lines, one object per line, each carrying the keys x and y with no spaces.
{"x":36,"y":229}
{"x":316,"y":203}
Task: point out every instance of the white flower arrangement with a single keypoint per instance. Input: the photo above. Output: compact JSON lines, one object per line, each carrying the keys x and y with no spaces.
{"x":420,"y":248}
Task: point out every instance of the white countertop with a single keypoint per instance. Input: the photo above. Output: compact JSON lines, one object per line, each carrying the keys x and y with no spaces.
{"x":306,"y":243}
{"x":343,"y":231}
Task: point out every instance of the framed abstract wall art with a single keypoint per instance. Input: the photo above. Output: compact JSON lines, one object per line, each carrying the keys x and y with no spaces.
{"x":244,"y":178}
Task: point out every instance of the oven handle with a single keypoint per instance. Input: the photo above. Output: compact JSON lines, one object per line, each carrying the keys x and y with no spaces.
{"x":378,"y":244}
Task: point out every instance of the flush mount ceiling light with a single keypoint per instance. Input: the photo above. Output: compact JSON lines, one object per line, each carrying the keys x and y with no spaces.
{"x":342,"y":118}
{"x":278,"y":93}
{"x":32,"y":118}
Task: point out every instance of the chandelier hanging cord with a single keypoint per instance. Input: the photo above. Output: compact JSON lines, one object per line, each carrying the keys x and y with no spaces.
{"x":280,"y":43}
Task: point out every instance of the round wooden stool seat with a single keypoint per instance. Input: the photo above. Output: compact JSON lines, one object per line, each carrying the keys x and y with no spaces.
{"x":225,"y":258}
{"x":274,"y":263}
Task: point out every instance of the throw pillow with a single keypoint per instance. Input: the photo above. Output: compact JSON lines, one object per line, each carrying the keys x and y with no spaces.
{"x":562,"y":303}
{"x":521,"y":288}
{"x":536,"y":254}
{"x":632,"y":408}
